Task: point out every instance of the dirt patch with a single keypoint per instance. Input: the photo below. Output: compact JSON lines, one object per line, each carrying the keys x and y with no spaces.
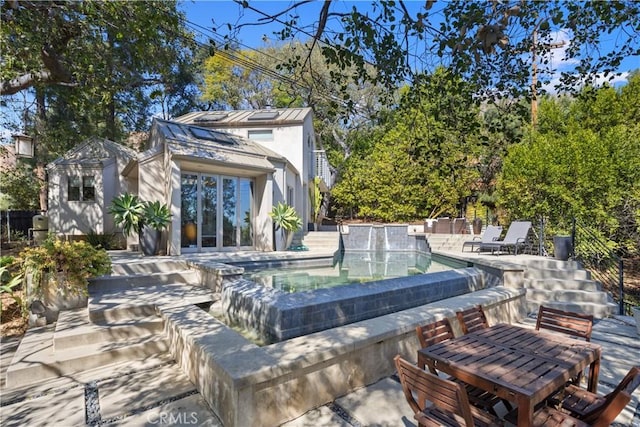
{"x":12,"y":323}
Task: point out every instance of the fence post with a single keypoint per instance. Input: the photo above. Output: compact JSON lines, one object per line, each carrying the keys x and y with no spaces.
{"x":573,"y":237}
{"x":541,"y":250}
{"x":621,"y":283}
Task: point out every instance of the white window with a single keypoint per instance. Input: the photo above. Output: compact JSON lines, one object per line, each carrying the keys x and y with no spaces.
{"x":261,"y":135}
{"x":81,"y":188}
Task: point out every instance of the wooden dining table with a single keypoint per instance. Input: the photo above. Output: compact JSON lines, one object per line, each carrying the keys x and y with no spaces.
{"x":521,"y":365}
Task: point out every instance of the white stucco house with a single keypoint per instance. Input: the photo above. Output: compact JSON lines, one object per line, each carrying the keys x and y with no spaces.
{"x":219,"y":172}
{"x":82,"y":184}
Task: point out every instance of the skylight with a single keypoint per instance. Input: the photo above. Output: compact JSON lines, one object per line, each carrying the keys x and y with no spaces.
{"x":211,"y":135}
{"x":264,"y":115}
{"x":211,"y":117}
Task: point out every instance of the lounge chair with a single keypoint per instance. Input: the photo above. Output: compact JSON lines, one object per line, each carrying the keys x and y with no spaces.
{"x":515,"y":238}
{"x":490,"y":235}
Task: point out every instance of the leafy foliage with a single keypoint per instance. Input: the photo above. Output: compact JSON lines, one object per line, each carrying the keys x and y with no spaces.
{"x":71,"y":264}
{"x":8,"y":284}
{"x":128,"y":213}
{"x":584,"y":163}
{"x":285,"y":217}
{"x":421,"y":165}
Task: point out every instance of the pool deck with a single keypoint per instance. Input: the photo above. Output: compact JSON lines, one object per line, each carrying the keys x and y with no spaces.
{"x":155,"y":391}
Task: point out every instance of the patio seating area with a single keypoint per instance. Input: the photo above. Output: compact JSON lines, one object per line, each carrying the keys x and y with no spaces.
{"x":137,"y":393}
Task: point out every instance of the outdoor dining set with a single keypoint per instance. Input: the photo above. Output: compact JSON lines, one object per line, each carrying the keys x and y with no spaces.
{"x":510,"y":375}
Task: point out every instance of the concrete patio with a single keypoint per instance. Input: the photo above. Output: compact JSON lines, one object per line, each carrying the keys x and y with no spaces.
{"x":152,"y":389}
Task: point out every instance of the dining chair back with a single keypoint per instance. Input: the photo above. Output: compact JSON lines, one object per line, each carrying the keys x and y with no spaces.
{"x":450,"y":403}
{"x":567,"y":322}
{"x":472,"y":319}
{"x":601,"y":410}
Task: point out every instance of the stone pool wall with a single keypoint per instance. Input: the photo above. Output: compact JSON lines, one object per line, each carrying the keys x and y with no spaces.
{"x":265,"y":386}
{"x":278,"y":316}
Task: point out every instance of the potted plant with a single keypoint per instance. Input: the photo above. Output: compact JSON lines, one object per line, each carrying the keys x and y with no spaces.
{"x":58,"y":272}
{"x":286,"y":221}
{"x":128,"y":211}
{"x":147,"y":219}
{"x":155,"y":219}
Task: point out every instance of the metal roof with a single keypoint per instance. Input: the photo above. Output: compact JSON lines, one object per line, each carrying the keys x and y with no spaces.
{"x":246,"y":118}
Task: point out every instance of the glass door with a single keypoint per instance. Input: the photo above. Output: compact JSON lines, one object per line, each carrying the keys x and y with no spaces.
{"x":207,"y":198}
{"x":189,"y":211}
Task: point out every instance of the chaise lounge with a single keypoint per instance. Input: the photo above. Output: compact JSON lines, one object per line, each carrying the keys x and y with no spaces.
{"x":490,"y":235}
{"x":515,"y":238}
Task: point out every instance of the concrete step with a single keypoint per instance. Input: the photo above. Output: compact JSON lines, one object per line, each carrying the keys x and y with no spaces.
{"x":562,"y":284}
{"x":110,"y":307}
{"x":147,"y":266}
{"x":36,"y":359}
{"x":574,"y":296}
{"x":117,"y":282}
{"x":551,"y":263}
{"x":73,"y":329}
{"x":552,"y":273}
{"x":599,"y":311}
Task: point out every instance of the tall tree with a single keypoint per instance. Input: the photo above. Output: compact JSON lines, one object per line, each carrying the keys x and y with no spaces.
{"x":422,"y":164}
{"x":490,"y":43}
{"x":94,"y":68}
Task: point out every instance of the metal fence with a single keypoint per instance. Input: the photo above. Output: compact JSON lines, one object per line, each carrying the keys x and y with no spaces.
{"x":16,"y":224}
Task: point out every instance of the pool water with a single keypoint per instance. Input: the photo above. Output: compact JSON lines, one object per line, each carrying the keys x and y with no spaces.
{"x":347,"y":268}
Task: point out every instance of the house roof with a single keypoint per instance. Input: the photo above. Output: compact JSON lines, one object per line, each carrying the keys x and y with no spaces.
{"x":94,"y":151}
{"x":247,"y":118}
{"x":201,"y":143}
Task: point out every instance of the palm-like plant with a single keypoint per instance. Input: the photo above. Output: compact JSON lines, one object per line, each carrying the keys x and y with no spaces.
{"x":128,"y":212}
{"x":156,"y":215}
{"x":285,"y":217}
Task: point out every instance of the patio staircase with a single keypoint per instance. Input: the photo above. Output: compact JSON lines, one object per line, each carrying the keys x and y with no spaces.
{"x":565,"y":285}
{"x":322,"y":241}
{"x":120,"y":323}
{"x":447,"y":242}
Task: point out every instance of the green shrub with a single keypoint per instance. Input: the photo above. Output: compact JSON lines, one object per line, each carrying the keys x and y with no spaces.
{"x":106,"y":241}
{"x":8,"y":284}
{"x":73,"y":264}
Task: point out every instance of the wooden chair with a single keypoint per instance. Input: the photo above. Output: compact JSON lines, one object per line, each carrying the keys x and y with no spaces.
{"x":450,"y":403}
{"x":548,"y":417}
{"x":601,"y":410}
{"x":472,"y":319}
{"x":436,"y":332}
{"x":567,"y":322}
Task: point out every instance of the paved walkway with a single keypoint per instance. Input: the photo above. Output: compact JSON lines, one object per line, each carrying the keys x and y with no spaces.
{"x":155,"y":392}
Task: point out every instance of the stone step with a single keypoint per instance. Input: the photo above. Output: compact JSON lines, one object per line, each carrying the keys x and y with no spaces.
{"x":147,"y":266}
{"x":599,"y":311}
{"x":551,"y":264}
{"x":575,"y":296}
{"x":36,"y":360}
{"x":108,"y":283}
{"x":110,"y":307}
{"x":562,"y":284}
{"x":73,"y":329}
{"x":552,"y":273}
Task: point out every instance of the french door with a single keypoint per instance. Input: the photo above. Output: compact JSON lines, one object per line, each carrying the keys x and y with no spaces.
{"x":216,"y":212}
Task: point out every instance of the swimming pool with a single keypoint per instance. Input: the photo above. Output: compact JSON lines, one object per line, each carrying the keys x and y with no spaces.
{"x":346,"y":268}
{"x":277,"y":315}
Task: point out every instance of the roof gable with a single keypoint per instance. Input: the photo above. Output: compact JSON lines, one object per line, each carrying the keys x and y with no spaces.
{"x":95,"y":150}
{"x":247,"y":118}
